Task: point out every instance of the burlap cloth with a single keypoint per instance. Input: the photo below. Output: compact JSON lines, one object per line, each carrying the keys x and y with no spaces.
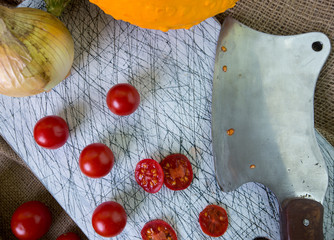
{"x":283,"y":17}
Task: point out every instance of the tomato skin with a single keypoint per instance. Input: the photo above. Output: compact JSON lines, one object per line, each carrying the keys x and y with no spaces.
{"x":150,"y":230}
{"x":31,"y":220}
{"x":213,"y":220}
{"x":51,"y":132}
{"x":123,"y":99}
{"x":178,"y":171}
{"x":109,"y":219}
{"x":68,"y":236}
{"x":149,"y":175}
{"x":96,"y":160}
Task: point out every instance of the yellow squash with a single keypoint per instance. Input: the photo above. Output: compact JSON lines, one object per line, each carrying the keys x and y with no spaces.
{"x":164,"y":14}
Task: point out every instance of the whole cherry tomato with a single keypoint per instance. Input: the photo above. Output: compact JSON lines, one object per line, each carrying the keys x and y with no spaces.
{"x":51,"y":132}
{"x":68,"y":236}
{"x":178,"y":171}
{"x":149,"y":175}
{"x":213,"y":220}
{"x":96,"y":160}
{"x":31,"y":220}
{"x":123,"y":99}
{"x":158,"y":229}
{"x":109,"y":219}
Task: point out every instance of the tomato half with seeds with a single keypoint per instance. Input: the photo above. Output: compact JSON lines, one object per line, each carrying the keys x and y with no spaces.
{"x":178,"y":171}
{"x":158,"y":230}
{"x":213,"y":220}
{"x":149,"y":175}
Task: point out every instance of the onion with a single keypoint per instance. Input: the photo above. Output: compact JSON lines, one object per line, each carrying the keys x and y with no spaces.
{"x":36,"y":51}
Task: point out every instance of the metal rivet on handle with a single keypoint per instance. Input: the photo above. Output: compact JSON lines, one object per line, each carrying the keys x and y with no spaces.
{"x":306,"y":222}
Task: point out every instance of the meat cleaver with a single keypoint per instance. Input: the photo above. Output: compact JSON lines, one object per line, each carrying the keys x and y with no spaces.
{"x":263,"y":121}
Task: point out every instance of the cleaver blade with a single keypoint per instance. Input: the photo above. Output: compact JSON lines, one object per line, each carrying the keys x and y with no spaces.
{"x":263,"y":121}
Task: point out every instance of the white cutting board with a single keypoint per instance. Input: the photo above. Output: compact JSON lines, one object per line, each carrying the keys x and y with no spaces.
{"x":173,"y":73}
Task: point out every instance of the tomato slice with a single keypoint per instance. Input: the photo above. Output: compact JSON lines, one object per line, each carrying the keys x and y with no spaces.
{"x":149,"y":175}
{"x":178,"y":171}
{"x":213,"y":220}
{"x":158,"y":230}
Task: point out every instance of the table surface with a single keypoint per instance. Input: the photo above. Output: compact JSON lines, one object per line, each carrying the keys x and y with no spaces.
{"x":173,"y":72}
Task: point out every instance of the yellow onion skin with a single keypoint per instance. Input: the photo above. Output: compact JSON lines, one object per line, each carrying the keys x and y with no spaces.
{"x":36,"y":51}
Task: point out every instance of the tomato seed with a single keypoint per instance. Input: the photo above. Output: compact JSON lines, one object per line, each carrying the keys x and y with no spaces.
{"x":155,"y":181}
{"x":174,"y":183}
{"x":221,"y":218}
{"x":153,"y":170}
{"x":148,"y":231}
{"x":151,"y":183}
{"x":159,"y":228}
{"x":167,"y":165}
{"x":185,"y":178}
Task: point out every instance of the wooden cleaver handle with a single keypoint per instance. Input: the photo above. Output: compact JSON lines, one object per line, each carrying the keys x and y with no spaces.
{"x":301,"y":219}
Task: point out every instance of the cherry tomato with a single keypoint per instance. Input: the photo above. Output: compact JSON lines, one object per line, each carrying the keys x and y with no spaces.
{"x":178,"y":171}
{"x":109,"y":219}
{"x":51,"y":132}
{"x":31,"y":220}
{"x":213,"y":220}
{"x":68,"y":236}
{"x":158,"y":230}
{"x":149,"y":175}
{"x":96,"y":160}
{"x":123,"y":99}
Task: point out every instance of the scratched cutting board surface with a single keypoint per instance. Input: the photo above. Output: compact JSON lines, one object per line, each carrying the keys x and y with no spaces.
{"x":173,"y":72}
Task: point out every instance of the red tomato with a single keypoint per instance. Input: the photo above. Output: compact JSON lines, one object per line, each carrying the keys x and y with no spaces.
{"x":68,"y":236}
{"x":109,"y":219}
{"x":51,"y":132}
{"x":158,"y":230}
{"x":96,"y":160}
{"x":123,"y":99}
{"x":31,"y":220}
{"x":213,"y":220}
{"x":178,"y":171}
{"x":149,"y":175}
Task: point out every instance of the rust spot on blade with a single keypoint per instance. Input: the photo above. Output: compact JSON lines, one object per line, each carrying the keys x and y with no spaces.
{"x":230,"y":132}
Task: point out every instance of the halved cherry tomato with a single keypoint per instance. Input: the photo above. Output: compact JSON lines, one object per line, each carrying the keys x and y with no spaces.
{"x":149,"y":175}
{"x":213,"y":220}
{"x":68,"y":236}
{"x":123,"y":99}
{"x":158,"y":230}
{"x":96,"y":160}
{"x":31,"y":220}
{"x":109,"y":219}
{"x":51,"y":132}
{"x":178,"y":171}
